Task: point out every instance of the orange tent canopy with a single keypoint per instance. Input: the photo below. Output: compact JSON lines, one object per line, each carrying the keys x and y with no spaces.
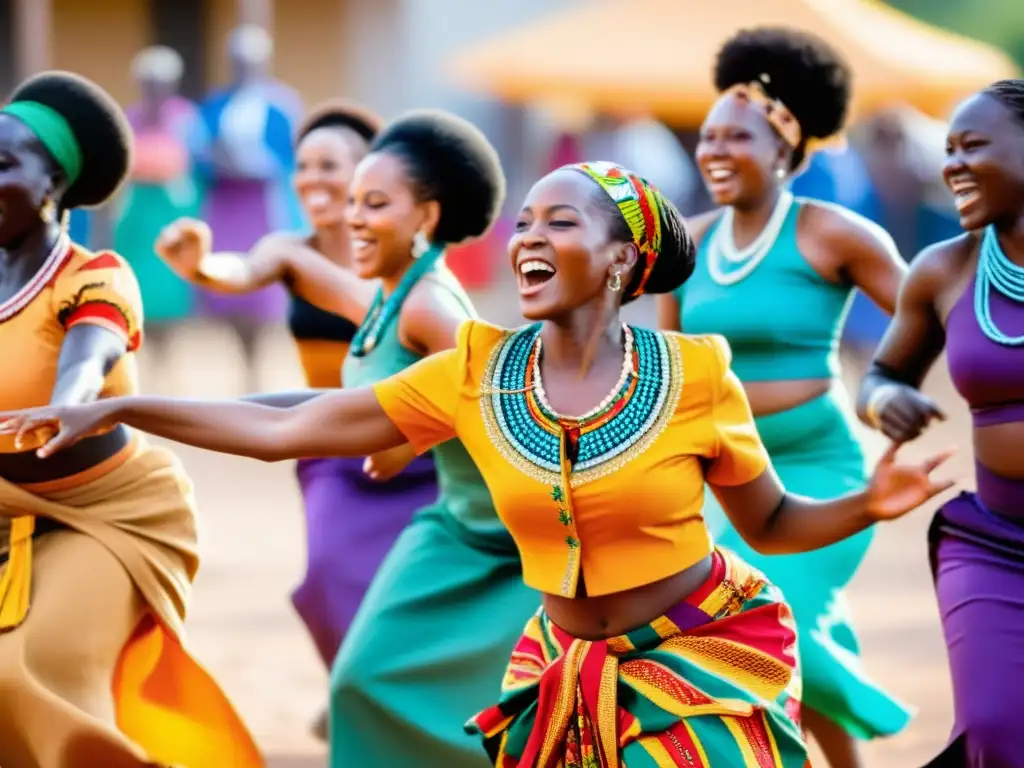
{"x":656,"y":56}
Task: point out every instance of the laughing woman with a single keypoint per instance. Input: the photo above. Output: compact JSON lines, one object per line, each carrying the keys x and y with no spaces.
{"x":99,"y":547}
{"x":652,"y":647}
{"x":352,"y":518}
{"x":965,"y":296}
{"x":775,"y":275}
{"x":429,"y":180}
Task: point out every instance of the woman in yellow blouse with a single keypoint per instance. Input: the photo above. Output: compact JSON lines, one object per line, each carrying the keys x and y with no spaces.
{"x":652,"y":647}
{"x":98,"y":544}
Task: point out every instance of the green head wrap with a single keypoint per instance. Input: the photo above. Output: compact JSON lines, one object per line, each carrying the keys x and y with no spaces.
{"x":53,"y":131}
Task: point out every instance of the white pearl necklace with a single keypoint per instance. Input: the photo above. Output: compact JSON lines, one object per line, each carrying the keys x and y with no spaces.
{"x":627,"y":371}
{"x":723,"y":246}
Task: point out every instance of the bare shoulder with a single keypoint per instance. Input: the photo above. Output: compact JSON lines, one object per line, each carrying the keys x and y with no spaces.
{"x":701,"y":223}
{"x":434,"y":296}
{"x":833,"y":225}
{"x":942,"y":265}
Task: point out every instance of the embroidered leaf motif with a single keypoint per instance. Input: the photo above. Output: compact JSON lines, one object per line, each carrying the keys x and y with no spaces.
{"x":573,"y":543}
{"x":564,"y":517}
{"x":556,"y":493}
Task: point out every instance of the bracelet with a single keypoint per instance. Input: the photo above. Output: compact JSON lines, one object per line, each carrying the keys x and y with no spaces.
{"x":879,"y":398}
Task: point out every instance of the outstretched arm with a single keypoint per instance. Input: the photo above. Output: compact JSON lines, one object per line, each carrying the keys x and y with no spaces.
{"x":186,"y":246}
{"x":775,"y":522}
{"x":341,"y":423}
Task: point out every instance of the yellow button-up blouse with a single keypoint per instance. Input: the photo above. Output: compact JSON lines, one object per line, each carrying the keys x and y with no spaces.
{"x":618,"y":497}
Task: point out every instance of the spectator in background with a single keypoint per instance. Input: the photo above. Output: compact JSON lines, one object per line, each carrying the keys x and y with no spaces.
{"x":162,"y":185}
{"x":247,"y":163}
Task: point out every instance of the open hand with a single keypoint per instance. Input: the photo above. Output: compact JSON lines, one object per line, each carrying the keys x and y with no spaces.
{"x":897,"y":488}
{"x":58,"y":426}
{"x":183,"y":244}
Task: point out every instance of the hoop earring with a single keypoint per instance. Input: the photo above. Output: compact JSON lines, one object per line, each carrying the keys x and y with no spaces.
{"x":420,"y":245}
{"x":615,"y":282}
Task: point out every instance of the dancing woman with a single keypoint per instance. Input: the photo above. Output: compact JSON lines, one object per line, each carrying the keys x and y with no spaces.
{"x":965,"y":295}
{"x":351,"y":519}
{"x":652,"y":647}
{"x":430,"y":180}
{"x":99,"y":543}
{"x":780,"y":300}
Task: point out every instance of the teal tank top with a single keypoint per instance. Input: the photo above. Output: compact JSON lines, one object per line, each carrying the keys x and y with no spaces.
{"x":783,"y":320}
{"x":461,"y":489}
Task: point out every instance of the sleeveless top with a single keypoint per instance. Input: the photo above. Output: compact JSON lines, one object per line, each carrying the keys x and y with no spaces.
{"x":322,"y":340}
{"x":783,"y":320}
{"x":989,"y":376}
{"x":461,"y":489}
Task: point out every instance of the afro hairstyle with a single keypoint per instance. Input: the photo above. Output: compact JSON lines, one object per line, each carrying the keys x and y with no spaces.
{"x":449,"y":160}
{"x":799,"y":69}
{"x":99,"y":126}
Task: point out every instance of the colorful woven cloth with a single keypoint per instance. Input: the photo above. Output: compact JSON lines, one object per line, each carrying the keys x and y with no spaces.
{"x":713,"y":682}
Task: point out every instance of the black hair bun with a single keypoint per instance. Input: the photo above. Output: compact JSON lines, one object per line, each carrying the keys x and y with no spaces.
{"x":451,"y":161}
{"x":99,"y":126}
{"x":799,"y":69}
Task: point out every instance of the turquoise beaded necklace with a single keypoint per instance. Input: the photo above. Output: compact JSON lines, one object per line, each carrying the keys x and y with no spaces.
{"x":381,"y":312}
{"x":996,"y":271}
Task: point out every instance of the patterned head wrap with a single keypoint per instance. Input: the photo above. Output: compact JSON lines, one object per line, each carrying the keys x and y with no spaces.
{"x":778,"y":114}
{"x":640,"y":204}
{"x":780,"y":118}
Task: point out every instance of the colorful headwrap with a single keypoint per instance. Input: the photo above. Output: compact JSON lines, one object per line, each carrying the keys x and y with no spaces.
{"x":53,"y":131}
{"x":640,"y":204}
{"x":779,"y":116}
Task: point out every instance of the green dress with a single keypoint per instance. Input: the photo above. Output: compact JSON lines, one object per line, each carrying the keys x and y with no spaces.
{"x":783,"y":322}
{"x":429,"y":646}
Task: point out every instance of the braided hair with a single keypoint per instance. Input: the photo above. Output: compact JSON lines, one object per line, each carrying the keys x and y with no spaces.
{"x":1009,"y":93}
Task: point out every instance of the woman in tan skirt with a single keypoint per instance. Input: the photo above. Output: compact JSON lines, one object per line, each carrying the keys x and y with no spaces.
{"x":98,"y":544}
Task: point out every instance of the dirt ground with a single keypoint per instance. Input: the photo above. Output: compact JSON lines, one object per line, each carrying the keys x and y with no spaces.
{"x":243,"y":628}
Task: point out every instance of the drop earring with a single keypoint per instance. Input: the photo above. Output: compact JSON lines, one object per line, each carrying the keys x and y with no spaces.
{"x":615,"y":282}
{"x":420,"y":245}
{"x":48,"y":211}
{"x":780,"y":173}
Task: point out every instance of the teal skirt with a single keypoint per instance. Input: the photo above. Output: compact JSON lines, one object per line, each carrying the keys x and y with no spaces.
{"x":815,"y":452}
{"x":428,"y":647}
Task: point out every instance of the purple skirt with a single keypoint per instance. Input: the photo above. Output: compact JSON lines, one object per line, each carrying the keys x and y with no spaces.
{"x":977,"y":558}
{"x":238,"y":211}
{"x":351,"y":523}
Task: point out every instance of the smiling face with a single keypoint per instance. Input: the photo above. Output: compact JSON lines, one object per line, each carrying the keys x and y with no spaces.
{"x":738,"y":152}
{"x":326,"y":163}
{"x":25,"y":180}
{"x":384,"y":216}
{"x":564,"y":248}
{"x":984,"y":163}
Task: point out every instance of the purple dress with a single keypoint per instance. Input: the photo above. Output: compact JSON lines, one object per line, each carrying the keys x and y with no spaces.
{"x":247,"y":162}
{"x":977,"y":554}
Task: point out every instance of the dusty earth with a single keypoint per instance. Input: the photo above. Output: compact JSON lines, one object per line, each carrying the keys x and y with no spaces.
{"x":243,"y":628}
